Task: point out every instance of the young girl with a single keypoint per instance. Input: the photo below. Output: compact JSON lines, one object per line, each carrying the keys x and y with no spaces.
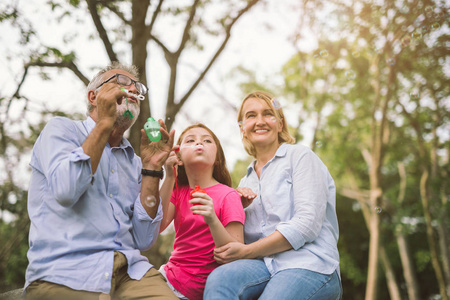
{"x":203,"y":220}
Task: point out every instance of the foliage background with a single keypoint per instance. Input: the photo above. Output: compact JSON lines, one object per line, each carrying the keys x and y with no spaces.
{"x":363,"y":83}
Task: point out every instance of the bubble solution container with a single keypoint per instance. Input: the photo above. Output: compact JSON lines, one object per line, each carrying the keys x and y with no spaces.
{"x":151,"y":128}
{"x":195,"y":190}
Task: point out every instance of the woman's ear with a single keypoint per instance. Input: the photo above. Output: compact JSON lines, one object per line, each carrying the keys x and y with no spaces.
{"x":280,"y":125}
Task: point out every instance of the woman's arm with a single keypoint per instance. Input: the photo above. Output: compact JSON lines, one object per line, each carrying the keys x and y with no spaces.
{"x":269,"y":245}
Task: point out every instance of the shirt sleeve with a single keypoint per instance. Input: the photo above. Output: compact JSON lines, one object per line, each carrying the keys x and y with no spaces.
{"x":310,"y":193}
{"x":145,"y":229}
{"x":59,"y":156}
{"x":232,"y":210}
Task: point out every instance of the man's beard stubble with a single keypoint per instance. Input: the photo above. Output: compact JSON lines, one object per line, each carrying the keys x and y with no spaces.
{"x":122,"y":121}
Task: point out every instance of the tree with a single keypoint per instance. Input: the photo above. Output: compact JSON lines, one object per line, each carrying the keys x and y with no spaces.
{"x":136,"y":23}
{"x":125,"y":29}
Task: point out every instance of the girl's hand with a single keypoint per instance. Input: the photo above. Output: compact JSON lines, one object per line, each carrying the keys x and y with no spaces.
{"x":247,"y":195}
{"x":203,"y":205}
{"x":230,"y":252}
{"x":171,"y":162}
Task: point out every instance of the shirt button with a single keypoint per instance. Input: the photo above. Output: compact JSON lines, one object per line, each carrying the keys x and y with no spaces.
{"x":110,"y":195}
{"x":106,"y":275}
{"x":112,"y":171}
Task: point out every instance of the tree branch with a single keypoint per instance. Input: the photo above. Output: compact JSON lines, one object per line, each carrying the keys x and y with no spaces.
{"x":68,"y":65}
{"x":187,"y":28}
{"x":217,"y":54}
{"x":154,"y":16}
{"x":92,"y":6}
{"x":114,"y":10}
{"x":160,"y":44}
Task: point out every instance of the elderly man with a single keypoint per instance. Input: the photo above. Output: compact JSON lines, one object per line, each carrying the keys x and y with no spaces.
{"x":93,"y":203}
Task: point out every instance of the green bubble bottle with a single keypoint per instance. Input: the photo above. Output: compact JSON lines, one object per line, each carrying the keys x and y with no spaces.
{"x":151,"y":128}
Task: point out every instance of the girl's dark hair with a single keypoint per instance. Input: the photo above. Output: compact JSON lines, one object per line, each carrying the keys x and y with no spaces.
{"x":220,"y":171}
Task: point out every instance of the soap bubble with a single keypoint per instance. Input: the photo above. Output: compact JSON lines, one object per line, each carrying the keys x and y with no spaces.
{"x":391,"y":61}
{"x":416,"y":35}
{"x":414,"y":95}
{"x":379,"y":50}
{"x":318,"y":144}
{"x":276,"y":104}
{"x":417,"y":22}
{"x":378,"y":209}
{"x":406,"y":41}
{"x":424,"y":29}
{"x":350,"y":74}
{"x":435,"y":26}
{"x":241,"y":124}
{"x":273,"y":119}
{"x":316,"y":56}
{"x":429,"y":9}
{"x":150,"y":201}
{"x":323,"y":53}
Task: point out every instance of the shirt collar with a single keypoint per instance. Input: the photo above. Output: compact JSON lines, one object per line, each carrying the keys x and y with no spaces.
{"x":124,"y":144}
{"x":281,"y":151}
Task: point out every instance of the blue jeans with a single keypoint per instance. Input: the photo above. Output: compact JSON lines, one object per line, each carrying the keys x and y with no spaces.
{"x":250,"y":279}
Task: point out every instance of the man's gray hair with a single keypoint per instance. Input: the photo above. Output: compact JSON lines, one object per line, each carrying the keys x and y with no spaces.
{"x":98,"y":78}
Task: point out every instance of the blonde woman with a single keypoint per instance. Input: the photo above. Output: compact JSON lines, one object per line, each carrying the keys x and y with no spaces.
{"x":291,"y":229}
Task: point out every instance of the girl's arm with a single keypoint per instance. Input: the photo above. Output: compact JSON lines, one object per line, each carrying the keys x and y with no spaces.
{"x":166,"y":191}
{"x":232,"y":232}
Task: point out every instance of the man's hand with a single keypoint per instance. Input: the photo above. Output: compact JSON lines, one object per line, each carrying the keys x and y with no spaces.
{"x":247,"y":195}
{"x":154,"y":154}
{"x":107,"y":98}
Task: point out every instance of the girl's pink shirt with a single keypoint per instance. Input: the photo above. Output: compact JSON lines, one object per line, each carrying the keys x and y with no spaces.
{"x":192,"y":259}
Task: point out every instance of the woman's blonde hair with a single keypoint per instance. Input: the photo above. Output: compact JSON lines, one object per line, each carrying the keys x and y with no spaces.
{"x":283,"y":137}
{"x":220,"y":171}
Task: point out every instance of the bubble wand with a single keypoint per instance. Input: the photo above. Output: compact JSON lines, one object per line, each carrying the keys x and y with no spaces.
{"x":127,"y":113}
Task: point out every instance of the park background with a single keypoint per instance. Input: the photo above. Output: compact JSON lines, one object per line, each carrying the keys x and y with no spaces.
{"x":364,"y":83}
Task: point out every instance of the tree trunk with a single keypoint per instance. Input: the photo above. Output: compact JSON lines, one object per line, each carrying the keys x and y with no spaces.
{"x":372,"y":276}
{"x":394,"y":291}
{"x":430,"y":236}
{"x":409,"y":271}
{"x":139,"y":39}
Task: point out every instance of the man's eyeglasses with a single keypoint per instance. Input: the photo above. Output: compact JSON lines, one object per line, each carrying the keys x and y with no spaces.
{"x":127,"y":81}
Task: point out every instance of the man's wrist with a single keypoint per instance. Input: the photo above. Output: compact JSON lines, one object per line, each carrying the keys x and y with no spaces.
{"x":153,"y":173}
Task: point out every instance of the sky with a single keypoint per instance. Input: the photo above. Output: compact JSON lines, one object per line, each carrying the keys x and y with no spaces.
{"x":259,"y":42}
{"x":253,"y":45}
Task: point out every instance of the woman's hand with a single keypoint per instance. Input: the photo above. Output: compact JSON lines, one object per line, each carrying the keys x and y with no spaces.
{"x":247,"y":195}
{"x":203,"y":205}
{"x":231,"y":252}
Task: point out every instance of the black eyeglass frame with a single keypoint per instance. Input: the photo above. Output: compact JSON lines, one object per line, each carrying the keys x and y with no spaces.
{"x":137,"y":84}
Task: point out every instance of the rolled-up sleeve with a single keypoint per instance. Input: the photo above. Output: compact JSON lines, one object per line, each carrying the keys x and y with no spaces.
{"x":59,"y":156}
{"x":145,"y":229}
{"x":310,"y":194}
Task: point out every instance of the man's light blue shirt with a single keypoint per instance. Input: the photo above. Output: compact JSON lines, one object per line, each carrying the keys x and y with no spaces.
{"x":297,"y":197}
{"x":78,"y":219}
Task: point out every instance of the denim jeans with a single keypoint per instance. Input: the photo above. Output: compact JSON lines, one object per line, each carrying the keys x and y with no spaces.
{"x":250,"y":279}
